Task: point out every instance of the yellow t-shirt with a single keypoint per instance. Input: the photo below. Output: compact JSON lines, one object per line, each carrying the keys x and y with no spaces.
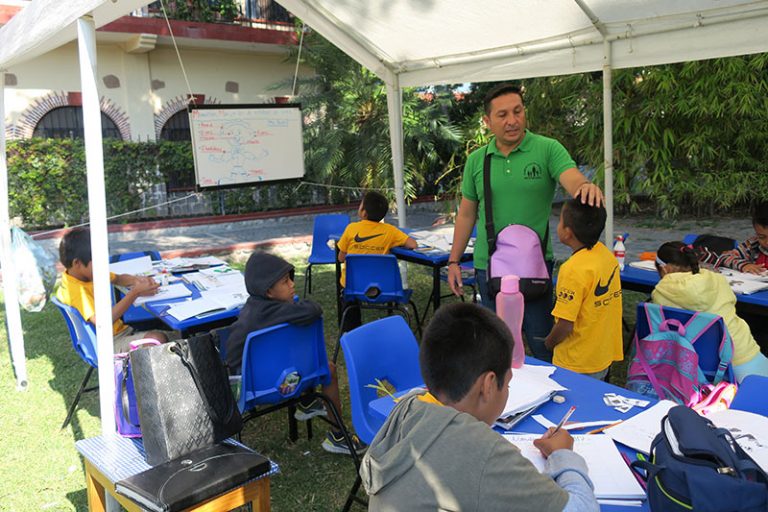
{"x":368,"y":237}
{"x":589,"y":295}
{"x":79,"y":294}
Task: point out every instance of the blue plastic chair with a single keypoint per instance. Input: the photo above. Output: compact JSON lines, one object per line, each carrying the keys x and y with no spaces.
{"x":387,"y":350}
{"x":83,"y":335}
{"x":373,"y":282}
{"x":137,"y":317}
{"x":270,"y":355}
{"x":320,"y":253}
{"x":706,"y":346}
{"x":751,"y":395}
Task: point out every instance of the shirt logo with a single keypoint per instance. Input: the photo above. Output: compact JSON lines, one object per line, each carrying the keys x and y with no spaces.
{"x":602,"y":290}
{"x":360,"y":239}
{"x":532,"y":172}
{"x":565,"y":295}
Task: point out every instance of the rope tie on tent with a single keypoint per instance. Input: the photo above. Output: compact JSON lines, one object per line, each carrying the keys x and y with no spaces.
{"x":164,"y":203}
{"x":178,"y":54}
{"x":298,"y":60}
{"x":629,"y":37}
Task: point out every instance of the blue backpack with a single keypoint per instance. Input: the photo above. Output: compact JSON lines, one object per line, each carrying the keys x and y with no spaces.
{"x":697,"y":466}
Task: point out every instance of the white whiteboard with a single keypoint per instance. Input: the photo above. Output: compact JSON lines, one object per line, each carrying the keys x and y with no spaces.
{"x":246,"y":144}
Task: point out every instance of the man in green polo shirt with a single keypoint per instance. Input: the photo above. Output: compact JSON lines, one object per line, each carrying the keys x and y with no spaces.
{"x":525,"y":169}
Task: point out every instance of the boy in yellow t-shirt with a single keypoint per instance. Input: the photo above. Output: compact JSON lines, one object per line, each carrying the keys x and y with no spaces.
{"x":76,"y":289}
{"x":587,"y":334}
{"x":370,"y":236}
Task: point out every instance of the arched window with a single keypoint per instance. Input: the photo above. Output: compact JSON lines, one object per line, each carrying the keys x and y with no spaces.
{"x":67,"y":123}
{"x":176,"y":129}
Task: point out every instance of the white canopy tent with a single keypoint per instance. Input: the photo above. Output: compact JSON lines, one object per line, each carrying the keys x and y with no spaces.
{"x":406,"y":43}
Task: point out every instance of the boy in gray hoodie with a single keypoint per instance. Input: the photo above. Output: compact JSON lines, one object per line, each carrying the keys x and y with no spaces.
{"x":269,"y":281}
{"x":436,"y":450}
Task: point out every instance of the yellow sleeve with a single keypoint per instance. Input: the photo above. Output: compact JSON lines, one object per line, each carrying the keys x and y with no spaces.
{"x":398,"y":237}
{"x":343,"y":243}
{"x":569,"y":295}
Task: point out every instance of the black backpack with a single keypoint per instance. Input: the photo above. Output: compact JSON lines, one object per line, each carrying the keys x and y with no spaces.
{"x":697,"y":466}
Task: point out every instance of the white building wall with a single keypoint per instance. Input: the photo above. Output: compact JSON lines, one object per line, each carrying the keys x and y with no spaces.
{"x":259,"y":78}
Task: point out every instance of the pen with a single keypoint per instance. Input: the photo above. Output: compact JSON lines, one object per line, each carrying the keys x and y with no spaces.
{"x":637,"y":477}
{"x":598,"y":430}
{"x":565,"y":418}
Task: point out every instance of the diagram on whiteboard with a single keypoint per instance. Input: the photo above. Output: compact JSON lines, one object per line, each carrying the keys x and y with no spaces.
{"x":238,"y":145}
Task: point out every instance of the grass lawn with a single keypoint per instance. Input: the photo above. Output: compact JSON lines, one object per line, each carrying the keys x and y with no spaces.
{"x":43,"y":471}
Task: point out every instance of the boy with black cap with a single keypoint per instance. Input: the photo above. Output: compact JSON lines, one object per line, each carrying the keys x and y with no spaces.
{"x":269,"y":281}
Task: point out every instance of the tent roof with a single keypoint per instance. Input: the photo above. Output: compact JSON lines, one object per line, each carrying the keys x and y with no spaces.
{"x":44,"y":25}
{"x":449,"y":41}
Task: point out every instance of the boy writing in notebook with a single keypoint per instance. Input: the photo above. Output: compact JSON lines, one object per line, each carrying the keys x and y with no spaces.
{"x":269,"y":281}
{"x":76,"y":289}
{"x":370,"y":235}
{"x":586,"y":337}
{"x":436,"y":451}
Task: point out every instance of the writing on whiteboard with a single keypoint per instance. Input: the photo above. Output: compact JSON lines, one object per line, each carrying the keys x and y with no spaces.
{"x":235,"y":145}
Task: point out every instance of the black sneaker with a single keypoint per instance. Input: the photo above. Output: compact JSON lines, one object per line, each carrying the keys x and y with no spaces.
{"x":334,"y":443}
{"x":310,"y":410}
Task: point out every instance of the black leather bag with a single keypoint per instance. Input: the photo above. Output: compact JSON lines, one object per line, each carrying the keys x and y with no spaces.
{"x":183,"y":396}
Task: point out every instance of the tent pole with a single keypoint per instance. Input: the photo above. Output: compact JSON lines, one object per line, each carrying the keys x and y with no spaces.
{"x":608,"y":141}
{"x":12,"y":311}
{"x":97,"y":206}
{"x":395,"y":108}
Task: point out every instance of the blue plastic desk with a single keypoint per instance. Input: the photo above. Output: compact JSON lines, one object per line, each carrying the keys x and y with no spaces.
{"x":109,"y":460}
{"x":585,"y":393}
{"x":644,"y":281}
{"x":159,"y":309}
{"x":433,"y":259}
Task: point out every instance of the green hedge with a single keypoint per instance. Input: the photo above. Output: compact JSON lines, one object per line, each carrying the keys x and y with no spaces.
{"x":48,"y":185}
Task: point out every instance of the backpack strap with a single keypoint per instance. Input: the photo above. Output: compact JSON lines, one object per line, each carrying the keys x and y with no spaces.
{"x":490,"y":228}
{"x":700,"y":324}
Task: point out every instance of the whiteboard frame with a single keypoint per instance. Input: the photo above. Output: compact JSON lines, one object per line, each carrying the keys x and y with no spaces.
{"x":214,"y":106}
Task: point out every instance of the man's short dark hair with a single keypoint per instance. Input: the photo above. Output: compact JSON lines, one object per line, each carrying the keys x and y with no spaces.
{"x":375,"y":205}
{"x":462,"y":342}
{"x":501,"y":90}
{"x":760,"y":214}
{"x":76,"y":245}
{"x":586,"y":222}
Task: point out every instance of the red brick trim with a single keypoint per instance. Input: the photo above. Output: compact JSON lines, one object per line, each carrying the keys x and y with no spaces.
{"x":25,"y":126}
{"x":175,"y":106}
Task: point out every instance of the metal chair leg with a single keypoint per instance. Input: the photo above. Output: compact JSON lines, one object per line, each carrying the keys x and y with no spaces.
{"x":352,"y":496}
{"x":80,"y":391}
{"x":308,"y":280}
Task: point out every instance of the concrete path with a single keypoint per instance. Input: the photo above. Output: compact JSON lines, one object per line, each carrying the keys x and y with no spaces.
{"x":646,"y":234}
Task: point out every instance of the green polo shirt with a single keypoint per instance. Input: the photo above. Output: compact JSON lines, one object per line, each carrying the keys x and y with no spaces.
{"x":523,"y":185}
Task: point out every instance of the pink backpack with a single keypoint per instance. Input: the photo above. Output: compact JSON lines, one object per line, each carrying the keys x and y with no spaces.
{"x":515,"y":250}
{"x":666,"y":359}
{"x":519,"y":252}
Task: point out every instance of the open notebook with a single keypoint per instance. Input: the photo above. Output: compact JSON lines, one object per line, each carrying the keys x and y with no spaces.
{"x":609,"y":473}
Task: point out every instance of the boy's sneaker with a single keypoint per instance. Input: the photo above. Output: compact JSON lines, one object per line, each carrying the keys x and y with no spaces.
{"x":334,"y":443}
{"x":310,"y":410}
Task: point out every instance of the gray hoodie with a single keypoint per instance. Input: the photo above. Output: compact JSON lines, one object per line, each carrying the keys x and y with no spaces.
{"x":431,"y":457}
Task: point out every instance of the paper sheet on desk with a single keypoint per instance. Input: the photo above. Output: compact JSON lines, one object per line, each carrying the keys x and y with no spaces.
{"x":743,"y":283}
{"x":528,"y":386}
{"x":609,"y":473}
{"x":643,"y":265}
{"x":440,"y":239}
{"x":135,"y":267}
{"x":750,"y":431}
{"x":639,"y":431}
{"x":172,"y":291}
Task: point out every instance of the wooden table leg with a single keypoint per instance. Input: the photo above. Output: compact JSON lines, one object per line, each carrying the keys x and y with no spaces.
{"x":255,"y":492}
{"x":97,"y":501}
